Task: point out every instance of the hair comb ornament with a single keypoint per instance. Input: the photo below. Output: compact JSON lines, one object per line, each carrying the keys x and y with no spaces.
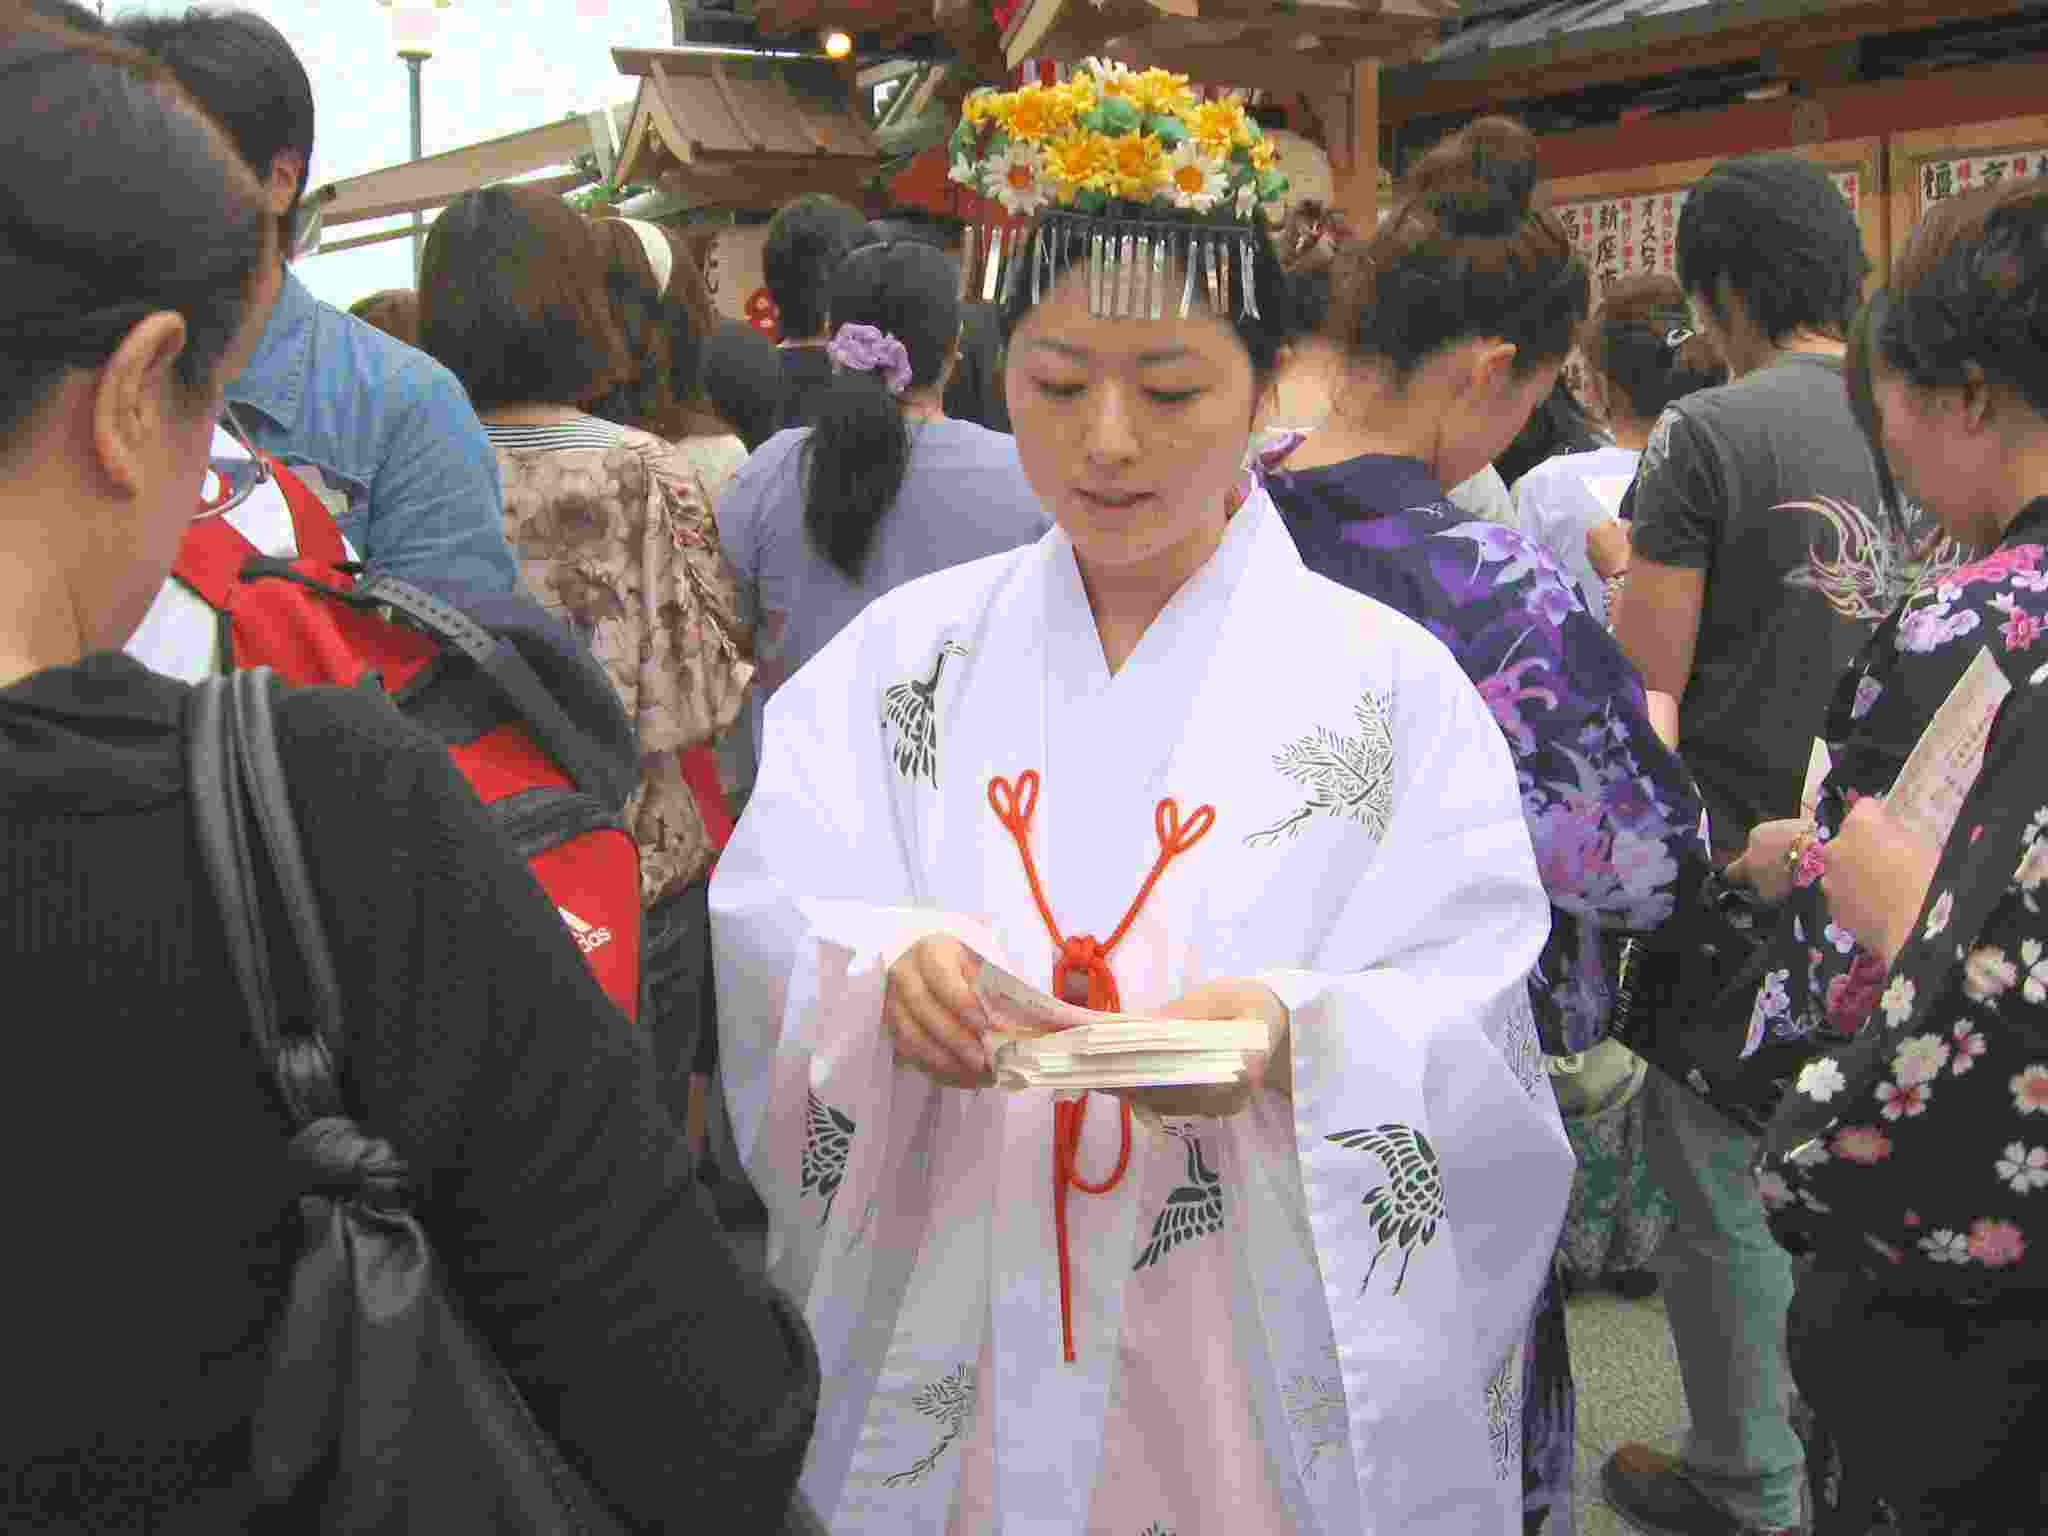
{"x":1126,"y":173}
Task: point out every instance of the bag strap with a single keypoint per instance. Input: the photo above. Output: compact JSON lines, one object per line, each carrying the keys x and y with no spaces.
{"x":510,"y":672}
{"x":236,"y":777}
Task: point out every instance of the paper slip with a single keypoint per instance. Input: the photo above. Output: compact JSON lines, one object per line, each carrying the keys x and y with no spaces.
{"x":1932,"y":786}
{"x":1080,"y":1048}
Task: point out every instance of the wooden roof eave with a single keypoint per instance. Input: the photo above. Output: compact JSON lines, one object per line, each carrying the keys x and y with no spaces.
{"x":1641,"y":46}
{"x":1306,"y":48}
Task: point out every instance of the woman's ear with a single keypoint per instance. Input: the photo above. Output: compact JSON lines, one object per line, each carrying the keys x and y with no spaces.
{"x":137,"y":392}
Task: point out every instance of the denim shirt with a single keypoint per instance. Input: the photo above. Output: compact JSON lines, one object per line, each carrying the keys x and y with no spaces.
{"x":387,"y":438}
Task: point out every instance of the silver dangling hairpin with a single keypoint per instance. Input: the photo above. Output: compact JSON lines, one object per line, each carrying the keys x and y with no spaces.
{"x":1209,"y":263}
{"x":1244,"y":267}
{"x":1223,"y":260}
{"x":1158,"y":277}
{"x":1142,"y":277}
{"x":1126,"y":274}
{"x":1188,"y":260}
{"x":1096,"y":306}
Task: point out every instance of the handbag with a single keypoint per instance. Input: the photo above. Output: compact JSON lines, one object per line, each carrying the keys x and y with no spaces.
{"x":1683,"y":995}
{"x":382,"y":1409}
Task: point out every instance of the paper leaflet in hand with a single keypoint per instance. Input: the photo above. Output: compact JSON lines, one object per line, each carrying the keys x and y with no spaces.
{"x":1930,"y":789}
{"x":1054,"y":1044}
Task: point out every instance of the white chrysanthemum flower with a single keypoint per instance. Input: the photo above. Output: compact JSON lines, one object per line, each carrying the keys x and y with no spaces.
{"x":1106,"y":69}
{"x":1193,"y":179}
{"x":1247,"y":199}
{"x":1017,"y":175}
{"x":1821,"y":1080}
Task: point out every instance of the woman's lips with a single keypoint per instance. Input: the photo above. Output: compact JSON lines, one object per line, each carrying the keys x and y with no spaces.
{"x":1113,"y":501}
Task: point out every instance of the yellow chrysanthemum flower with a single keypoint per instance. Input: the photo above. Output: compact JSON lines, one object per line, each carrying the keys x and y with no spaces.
{"x":1159,"y":90}
{"x":1219,"y":126}
{"x":980,"y":107}
{"x":1263,"y":154}
{"x":1140,"y":166}
{"x":1037,"y":114}
{"x":1081,"y":160}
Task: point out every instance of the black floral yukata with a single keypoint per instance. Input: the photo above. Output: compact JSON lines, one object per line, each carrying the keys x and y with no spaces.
{"x":1911,"y":1161}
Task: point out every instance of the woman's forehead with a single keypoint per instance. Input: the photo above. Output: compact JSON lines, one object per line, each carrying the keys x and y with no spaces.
{"x":1060,"y":325}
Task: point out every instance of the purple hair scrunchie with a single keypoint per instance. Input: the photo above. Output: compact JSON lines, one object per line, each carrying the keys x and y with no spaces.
{"x":863,"y":349}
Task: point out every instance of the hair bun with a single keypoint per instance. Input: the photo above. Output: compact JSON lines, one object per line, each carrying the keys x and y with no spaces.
{"x":1481,"y":180}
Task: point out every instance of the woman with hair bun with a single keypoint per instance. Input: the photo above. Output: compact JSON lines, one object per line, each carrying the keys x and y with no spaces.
{"x":1455,"y":318}
{"x":1641,"y":354}
{"x":884,"y":487}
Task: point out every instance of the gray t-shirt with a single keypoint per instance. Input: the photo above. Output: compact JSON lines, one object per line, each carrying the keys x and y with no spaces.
{"x":1766,"y":485}
{"x":965,"y":496}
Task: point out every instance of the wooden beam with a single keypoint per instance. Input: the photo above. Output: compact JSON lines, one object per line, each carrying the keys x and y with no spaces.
{"x":1606,"y":56}
{"x":1233,"y":64}
{"x":1358,"y":183}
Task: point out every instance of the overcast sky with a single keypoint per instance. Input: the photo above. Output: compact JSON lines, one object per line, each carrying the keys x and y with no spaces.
{"x":498,"y":66}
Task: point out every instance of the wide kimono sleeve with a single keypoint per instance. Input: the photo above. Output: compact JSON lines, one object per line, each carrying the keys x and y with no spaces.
{"x":813,"y":900}
{"x":1612,"y":813}
{"x":1432,"y":1164}
{"x":1920,"y":1149}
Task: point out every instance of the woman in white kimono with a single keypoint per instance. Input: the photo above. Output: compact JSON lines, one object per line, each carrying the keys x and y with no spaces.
{"x":1297,"y":1306}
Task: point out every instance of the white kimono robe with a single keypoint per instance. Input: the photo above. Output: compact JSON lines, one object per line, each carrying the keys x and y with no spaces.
{"x":1306,"y":1318}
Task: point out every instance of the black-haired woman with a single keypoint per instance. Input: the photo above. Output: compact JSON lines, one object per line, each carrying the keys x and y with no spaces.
{"x":1641,"y":354}
{"x":884,"y":487}
{"x":1455,"y":318}
{"x":1149,"y":762}
{"x":481,"y":1048}
{"x":807,"y":239}
{"x":1908,"y":1159}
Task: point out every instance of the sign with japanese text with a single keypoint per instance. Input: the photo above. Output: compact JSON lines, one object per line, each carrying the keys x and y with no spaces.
{"x":1630,"y":236}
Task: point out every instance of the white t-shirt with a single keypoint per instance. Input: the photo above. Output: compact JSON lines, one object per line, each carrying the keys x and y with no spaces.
{"x":180,"y":636}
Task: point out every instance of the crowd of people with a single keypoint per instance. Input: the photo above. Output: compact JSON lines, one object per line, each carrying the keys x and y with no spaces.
{"x":1368,"y":646}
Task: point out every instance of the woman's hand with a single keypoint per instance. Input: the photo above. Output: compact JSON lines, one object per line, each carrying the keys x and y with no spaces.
{"x":1877,"y":875}
{"x":932,"y":1015}
{"x":1233,"y":998}
{"x":1607,"y":548}
{"x":1766,"y":864}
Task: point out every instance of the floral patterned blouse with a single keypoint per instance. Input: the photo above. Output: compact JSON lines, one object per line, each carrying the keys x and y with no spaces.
{"x":1612,"y":814}
{"x":614,"y":535}
{"x":1916,"y":1149}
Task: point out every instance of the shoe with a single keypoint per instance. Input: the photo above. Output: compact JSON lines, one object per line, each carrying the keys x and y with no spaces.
{"x":1651,"y":1492}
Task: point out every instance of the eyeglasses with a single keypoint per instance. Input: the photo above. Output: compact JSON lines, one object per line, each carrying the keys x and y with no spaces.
{"x":231,"y":481}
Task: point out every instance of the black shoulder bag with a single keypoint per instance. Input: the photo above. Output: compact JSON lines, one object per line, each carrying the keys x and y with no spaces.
{"x":382,"y":1410}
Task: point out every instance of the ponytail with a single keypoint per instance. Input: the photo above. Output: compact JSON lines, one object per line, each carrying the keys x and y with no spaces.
{"x":854,"y":466}
{"x":895,"y":317}
{"x":1642,"y":343}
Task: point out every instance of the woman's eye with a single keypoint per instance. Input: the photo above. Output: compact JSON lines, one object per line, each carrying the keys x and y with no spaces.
{"x":1172,"y":396}
{"x":1060,"y":391}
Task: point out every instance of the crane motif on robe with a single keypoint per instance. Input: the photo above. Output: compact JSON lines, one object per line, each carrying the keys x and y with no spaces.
{"x":908,"y":706}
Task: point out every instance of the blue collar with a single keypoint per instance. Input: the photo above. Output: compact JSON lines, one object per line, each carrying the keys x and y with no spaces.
{"x":275,"y":380}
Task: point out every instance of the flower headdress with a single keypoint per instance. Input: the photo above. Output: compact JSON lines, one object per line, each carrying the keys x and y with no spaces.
{"x":1130,"y":167}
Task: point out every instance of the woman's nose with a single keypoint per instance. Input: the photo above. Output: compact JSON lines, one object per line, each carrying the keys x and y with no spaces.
{"x":1112,"y":430}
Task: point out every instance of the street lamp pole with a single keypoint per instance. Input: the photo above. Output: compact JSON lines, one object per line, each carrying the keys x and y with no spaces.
{"x":414,"y":58}
{"x":413,"y":25}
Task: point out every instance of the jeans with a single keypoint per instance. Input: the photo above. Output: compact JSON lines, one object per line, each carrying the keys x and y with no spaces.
{"x":1727,"y":1286}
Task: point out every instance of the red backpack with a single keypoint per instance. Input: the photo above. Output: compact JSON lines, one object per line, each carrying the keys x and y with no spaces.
{"x":529,"y":720}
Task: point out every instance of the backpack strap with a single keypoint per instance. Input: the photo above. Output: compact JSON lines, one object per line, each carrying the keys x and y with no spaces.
{"x":213,"y":551}
{"x":511,"y":672}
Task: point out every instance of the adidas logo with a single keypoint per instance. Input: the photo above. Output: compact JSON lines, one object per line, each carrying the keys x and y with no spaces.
{"x":587,"y":937}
